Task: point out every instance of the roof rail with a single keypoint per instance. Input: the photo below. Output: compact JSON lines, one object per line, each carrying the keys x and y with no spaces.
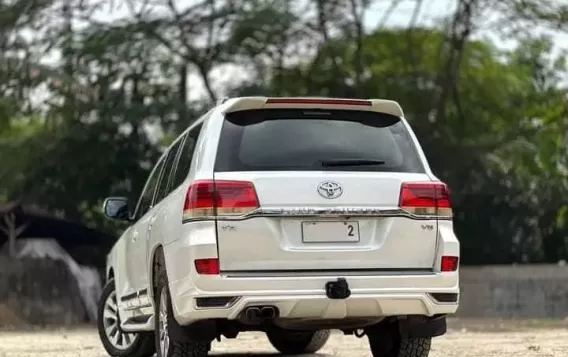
{"x":222,"y":100}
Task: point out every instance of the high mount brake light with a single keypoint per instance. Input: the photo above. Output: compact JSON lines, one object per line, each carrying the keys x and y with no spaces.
{"x":319,"y":101}
{"x":426,"y":199}
{"x":210,"y":198}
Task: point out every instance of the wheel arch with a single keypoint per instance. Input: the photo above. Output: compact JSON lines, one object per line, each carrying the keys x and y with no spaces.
{"x":158,"y":262}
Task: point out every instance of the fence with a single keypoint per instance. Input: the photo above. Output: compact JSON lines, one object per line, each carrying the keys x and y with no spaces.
{"x":523,"y":291}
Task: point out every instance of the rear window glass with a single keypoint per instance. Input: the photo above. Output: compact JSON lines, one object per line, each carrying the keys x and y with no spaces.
{"x":307,"y":140}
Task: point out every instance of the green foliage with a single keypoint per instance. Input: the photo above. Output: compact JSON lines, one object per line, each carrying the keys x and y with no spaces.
{"x":493,"y":123}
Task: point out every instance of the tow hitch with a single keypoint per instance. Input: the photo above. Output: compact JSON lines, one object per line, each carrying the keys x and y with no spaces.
{"x":337,"y":290}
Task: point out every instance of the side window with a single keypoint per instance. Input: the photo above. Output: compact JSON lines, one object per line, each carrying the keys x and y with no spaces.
{"x":164,"y":188}
{"x":148,"y":193}
{"x":184,"y":162}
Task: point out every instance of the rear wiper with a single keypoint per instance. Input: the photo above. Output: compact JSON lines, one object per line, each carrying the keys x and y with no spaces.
{"x":350,"y":162}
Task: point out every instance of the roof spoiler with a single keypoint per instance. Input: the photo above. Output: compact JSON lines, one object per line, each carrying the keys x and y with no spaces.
{"x":373,"y":105}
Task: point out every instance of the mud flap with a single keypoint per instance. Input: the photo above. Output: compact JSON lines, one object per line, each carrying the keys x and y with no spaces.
{"x":205,"y":330}
{"x":418,"y":327}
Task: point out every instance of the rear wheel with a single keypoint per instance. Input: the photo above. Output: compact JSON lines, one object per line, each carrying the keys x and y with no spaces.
{"x":298,"y":342}
{"x":116,"y":342}
{"x":390,"y":344}
{"x":170,"y":344}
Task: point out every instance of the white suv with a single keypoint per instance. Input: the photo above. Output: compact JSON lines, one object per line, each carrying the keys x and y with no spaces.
{"x":290,"y":216}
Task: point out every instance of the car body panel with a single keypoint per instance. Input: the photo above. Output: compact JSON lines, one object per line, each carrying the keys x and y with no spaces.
{"x":258,"y":255}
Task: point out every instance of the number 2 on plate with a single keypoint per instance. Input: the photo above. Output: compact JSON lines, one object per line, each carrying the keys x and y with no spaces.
{"x":350,"y":229}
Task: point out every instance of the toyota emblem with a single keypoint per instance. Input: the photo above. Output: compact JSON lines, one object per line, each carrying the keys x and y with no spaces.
{"x":330,"y":189}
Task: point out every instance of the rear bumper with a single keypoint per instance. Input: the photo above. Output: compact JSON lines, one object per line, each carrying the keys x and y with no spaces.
{"x":373,"y":295}
{"x":305,"y":297}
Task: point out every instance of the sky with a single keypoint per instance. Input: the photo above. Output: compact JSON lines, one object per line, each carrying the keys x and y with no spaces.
{"x":434,"y":10}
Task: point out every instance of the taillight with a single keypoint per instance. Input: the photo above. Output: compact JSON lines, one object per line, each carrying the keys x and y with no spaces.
{"x":200,"y":200}
{"x":426,"y":199}
{"x":219,"y":198}
{"x":209,"y":266}
{"x":449,"y":263}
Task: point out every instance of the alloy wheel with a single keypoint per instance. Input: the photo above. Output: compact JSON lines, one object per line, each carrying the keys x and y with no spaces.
{"x":163,"y":324}
{"x":111,"y":322}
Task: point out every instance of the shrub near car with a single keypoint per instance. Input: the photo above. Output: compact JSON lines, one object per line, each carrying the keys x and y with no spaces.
{"x":290,"y":216}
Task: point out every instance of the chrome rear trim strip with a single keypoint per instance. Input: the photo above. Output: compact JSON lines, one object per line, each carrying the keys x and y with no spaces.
{"x":323,"y":212}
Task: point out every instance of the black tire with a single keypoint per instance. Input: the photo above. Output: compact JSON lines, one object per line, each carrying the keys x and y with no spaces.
{"x":180,"y":345}
{"x":393,"y":346}
{"x":141,"y":343}
{"x":298,"y":342}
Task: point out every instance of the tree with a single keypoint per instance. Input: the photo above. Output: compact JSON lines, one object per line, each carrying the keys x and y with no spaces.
{"x":484,"y":144}
{"x":92,"y":123}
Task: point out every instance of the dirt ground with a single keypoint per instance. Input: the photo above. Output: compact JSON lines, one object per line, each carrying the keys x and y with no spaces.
{"x":465,"y":338}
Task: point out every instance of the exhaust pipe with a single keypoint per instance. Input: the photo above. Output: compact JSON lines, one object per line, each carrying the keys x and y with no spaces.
{"x":252,"y":314}
{"x":268,"y":313}
{"x":258,"y":315}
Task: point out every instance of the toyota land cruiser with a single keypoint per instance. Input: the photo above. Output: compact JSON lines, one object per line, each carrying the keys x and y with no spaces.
{"x":289,"y":216}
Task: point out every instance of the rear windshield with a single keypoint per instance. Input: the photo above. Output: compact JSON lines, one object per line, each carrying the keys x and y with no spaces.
{"x":308,"y":140}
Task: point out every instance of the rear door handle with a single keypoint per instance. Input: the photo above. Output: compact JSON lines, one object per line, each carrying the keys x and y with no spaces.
{"x":135,"y":236}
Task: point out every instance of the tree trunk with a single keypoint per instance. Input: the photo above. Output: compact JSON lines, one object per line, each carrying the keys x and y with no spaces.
{"x":12,"y":232}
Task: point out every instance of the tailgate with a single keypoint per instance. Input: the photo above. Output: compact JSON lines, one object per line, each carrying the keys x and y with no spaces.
{"x":298,"y":229}
{"x":328,"y":185}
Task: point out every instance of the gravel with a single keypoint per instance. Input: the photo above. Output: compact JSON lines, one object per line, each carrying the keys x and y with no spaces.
{"x":524,"y":341}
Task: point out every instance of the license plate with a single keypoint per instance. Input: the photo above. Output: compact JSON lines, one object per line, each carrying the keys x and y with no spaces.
{"x":330,"y":232}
